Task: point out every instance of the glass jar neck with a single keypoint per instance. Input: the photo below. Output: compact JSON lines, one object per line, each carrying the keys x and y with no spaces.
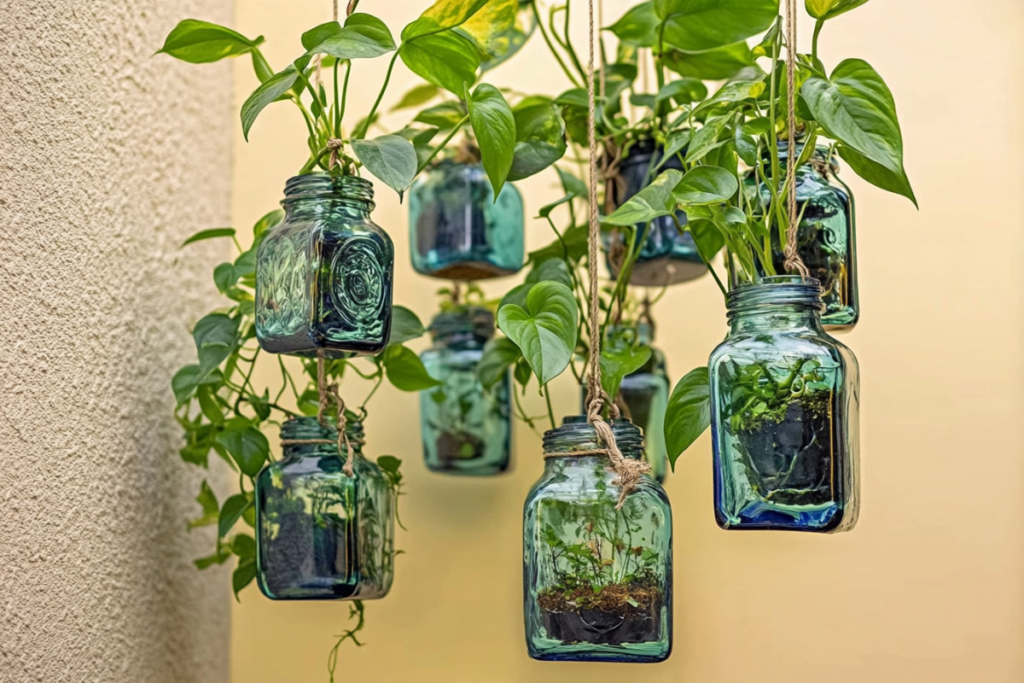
{"x":464,"y":327}
{"x":308,"y":429}
{"x":319,"y":193}
{"x":784,"y":303}
{"x":576,"y":440}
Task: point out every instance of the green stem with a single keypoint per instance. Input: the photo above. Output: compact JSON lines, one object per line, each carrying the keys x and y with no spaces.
{"x":547,"y":398}
{"x":313,"y":161}
{"x":820,"y":24}
{"x":718,"y":281}
{"x":344,"y":95}
{"x":361,"y":133}
{"x":337,"y":111}
{"x":551,"y":47}
{"x":380,"y":379}
{"x":443,"y":144}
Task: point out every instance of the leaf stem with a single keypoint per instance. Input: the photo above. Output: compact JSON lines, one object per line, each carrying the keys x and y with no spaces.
{"x":361,"y":133}
{"x":344,"y":95}
{"x":551,"y":46}
{"x":547,"y":398}
{"x":820,"y":24}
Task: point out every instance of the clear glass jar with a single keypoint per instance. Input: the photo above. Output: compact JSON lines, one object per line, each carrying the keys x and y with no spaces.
{"x":466,"y":430}
{"x":597,"y":582}
{"x":324,"y":276}
{"x":665,"y":256}
{"x":826,"y":238}
{"x":321,"y":535}
{"x":784,"y":414}
{"x":457,"y":231}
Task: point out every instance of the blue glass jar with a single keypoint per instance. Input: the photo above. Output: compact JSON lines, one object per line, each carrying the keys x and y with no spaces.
{"x":321,"y":535}
{"x":665,"y":256}
{"x":597,"y":582}
{"x":466,"y":430}
{"x":826,"y":238}
{"x":785,"y":401}
{"x":457,"y":231}
{"x":324,"y":275}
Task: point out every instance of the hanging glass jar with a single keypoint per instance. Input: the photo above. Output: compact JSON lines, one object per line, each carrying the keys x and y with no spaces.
{"x":644,"y":395}
{"x":321,"y":534}
{"x":826,"y":238}
{"x":457,"y":231}
{"x":597,"y":581}
{"x":784,"y":414}
{"x":665,"y":257}
{"x":466,"y":430}
{"x":324,"y":275}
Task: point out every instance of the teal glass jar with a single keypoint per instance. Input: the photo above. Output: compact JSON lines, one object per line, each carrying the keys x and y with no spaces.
{"x":664,"y":256}
{"x":826,"y":238}
{"x":785,"y":401}
{"x":321,"y":535}
{"x":457,"y":231}
{"x":466,"y":430}
{"x":324,"y":276}
{"x":597,"y":581}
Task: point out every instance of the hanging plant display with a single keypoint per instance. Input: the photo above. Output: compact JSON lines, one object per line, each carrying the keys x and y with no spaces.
{"x":826,"y":237}
{"x":597,"y":575}
{"x":466,"y":426}
{"x":324,"y":530}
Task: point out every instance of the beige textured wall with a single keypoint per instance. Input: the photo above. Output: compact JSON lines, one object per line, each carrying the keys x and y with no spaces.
{"x":929,"y":585}
{"x":108,"y":160}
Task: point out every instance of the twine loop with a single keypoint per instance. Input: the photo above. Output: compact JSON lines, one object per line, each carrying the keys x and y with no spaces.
{"x":335,"y":145}
{"x":793,"y":261}
{"x":328,"y":393}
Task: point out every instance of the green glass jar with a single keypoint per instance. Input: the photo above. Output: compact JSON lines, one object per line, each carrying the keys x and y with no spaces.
{"x":597,"y":581}
{"x":324,"y":275}
{"x":319,"y":533}
{"x":785,"y":401}
{"x":826,"y":238}
{"x":465,"y":429}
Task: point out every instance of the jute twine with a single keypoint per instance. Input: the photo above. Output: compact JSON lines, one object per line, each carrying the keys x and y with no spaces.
{"x":793,"y":260}
{"x":628,"y":471}
{"x":328,"y":393}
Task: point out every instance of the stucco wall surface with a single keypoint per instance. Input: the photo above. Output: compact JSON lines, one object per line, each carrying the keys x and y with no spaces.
{"x":109,"y":158}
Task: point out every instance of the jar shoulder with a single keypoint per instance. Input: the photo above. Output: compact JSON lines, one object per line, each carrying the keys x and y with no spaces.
{"x":760,"y":347}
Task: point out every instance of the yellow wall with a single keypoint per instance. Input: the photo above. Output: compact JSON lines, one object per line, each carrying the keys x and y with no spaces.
{"x":928,"y":586}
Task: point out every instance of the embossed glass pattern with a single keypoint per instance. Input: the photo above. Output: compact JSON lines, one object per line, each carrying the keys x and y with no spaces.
{"x":665,"y":257}
{"x":456,"y":229}
{"x":597,"y":582}
{"x":784,"y":414}
{"x":465,"y":429}
{"x":321,"y":535}
{"x":324,"y":275}
{"x":826,"y":238}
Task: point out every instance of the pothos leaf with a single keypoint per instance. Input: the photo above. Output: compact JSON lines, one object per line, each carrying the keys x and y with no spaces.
{"x":208,"y":501}
{"x":405,"y":326}
{"x":405,"y":370}
{"x":269,"y":91}
{"x":545,"y":331}
{"x":200,"y":42}
{"x":688,"y":413}
{"x":619,"y":360}
{"x":494,"y":126}
{"x":248,"y":447}
{"x":391,"y":158}
{"x":232,"y":511}
{"x":499,"y":355}
{"x":652,"y":202}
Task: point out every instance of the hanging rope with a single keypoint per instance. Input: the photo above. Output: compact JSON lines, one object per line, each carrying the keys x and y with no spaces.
{"x":328,"y":393}
{"x":629,"y":471}
{"x":792,"y":254}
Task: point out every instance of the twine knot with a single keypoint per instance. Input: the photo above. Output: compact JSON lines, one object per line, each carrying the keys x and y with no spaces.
{"x":328,"y":393}
{"x":335,"y":145}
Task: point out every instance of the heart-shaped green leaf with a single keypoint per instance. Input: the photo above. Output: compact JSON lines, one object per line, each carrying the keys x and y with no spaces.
{"x":391,"y":158}
{"x":494,"y":126}
{"x":688,"y":413}
{"x":540,"y":139}
{"x":211,"y":510}
{"x":683,"y":91}
{"x":232,"y":512}
{"x":652,"y":202}
{"x":248,"y":447}
{"x":442,"y":15}
{"x":545,"y":330}
{"x":856,"y":108}
{"x":363,"y":37}
{"x":705,"y":185}
{"x":638,"y":26}
{"x":420,"y":94}
{"x":200,"y":42}
{"x":619,"y":360}
{"x":405,"y":326}
{"x":824,"y":10}
{"x":713,"y":65}
{"x":405,"y":370}
{"x":447,"y":59}
{"x":698,"y":25}
{"x":269,"y":91}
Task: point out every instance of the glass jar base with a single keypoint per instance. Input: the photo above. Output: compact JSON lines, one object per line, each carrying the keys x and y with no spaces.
{"x":469,"y":271}
{"x":666,"y":271}
{"x":548,"y":650}
{"x":759,"y":516}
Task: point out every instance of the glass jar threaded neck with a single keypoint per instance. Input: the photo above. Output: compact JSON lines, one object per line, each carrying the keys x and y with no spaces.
{"x":467,"y":322}
{"x":576,"y":435}
{"x":300,"y":429}
{"x":327,"y":187}
{"x":779,"y":294}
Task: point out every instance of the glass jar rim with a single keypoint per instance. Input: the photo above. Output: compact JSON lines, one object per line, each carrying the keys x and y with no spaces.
{"x":475,"y":320}
{"x":325,"y":186}
{"x":307,"y":427}
{"x":774,"y":292}
{"x":577,"y":434}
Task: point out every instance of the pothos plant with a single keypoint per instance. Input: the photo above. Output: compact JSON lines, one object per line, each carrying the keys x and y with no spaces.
{"x":448,"y":46}
{"x":736,"y":133}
